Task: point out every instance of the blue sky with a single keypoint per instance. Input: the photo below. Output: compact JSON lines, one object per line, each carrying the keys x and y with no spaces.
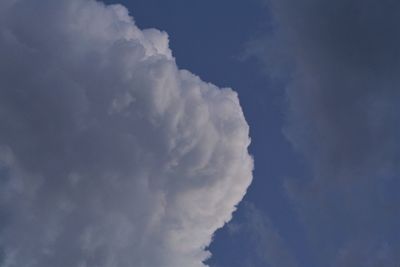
{"x":110,"y":155}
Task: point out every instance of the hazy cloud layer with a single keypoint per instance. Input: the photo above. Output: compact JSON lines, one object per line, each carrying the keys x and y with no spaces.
{"x":109,"y":154}
{"x":343,"y":60}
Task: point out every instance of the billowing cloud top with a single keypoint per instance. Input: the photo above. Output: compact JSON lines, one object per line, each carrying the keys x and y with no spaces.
{"x":109,"y":154}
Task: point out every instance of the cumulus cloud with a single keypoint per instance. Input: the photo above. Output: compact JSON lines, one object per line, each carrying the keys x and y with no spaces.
{"x":109,"y":154}
{"x":340,"y":61}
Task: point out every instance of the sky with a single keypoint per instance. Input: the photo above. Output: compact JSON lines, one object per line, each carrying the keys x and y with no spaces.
{"x":183,"y":133}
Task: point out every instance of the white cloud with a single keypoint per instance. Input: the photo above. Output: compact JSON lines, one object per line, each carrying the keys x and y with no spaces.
{"x":110,"y":156}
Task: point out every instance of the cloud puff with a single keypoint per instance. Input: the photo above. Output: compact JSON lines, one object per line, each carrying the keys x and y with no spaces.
{"x":343,"y":117}
{"x":109,"y":154}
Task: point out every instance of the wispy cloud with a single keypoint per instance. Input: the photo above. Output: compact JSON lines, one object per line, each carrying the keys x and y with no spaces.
{"x":266,"y":243}
{"x":340,"y":62}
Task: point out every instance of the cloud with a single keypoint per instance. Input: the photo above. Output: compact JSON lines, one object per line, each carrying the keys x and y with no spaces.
{"x":343,"y":91}
{"x":340,"y":62}
{"x":109,"y":154}
{"x":270,"y":247}
{"x":253,"y":240}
